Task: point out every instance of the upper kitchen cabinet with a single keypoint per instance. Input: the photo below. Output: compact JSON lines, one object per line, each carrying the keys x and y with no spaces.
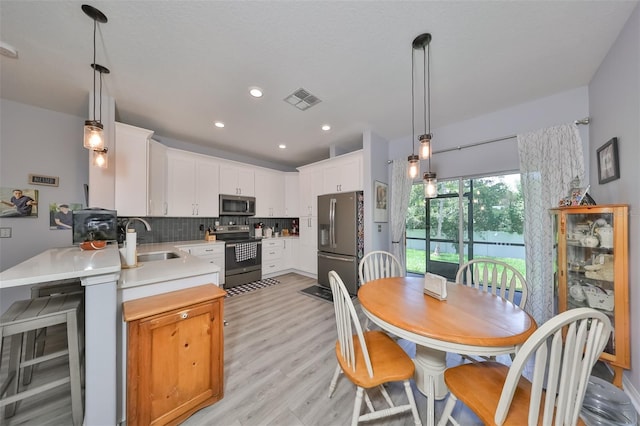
{"x":192,"y":184}
{"x":291,"y":194}
{"x":269,"y":190}
{"x":310,"y":188}
{"x":343,"y":173}
{"x":236,"y":179}
{"x":140,"y":176}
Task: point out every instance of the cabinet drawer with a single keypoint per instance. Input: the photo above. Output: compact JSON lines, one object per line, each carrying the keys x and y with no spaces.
{"x":207,"y":249}
{"x":271,"y":253}
{"x":272,"y":243}
{"x":272,"y":266}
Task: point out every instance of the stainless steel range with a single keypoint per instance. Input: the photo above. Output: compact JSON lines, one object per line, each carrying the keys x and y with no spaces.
{"x":242,"y":254}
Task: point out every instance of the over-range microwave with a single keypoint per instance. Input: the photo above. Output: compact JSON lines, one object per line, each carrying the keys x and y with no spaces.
{"x":237,"y":205}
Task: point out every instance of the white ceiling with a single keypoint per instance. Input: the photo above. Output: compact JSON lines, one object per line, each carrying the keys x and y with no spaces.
{"x":177,"y":66}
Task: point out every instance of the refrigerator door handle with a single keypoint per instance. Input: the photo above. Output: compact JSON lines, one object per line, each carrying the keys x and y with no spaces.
{"x":332,"y":223}
{"x":342,"y":259}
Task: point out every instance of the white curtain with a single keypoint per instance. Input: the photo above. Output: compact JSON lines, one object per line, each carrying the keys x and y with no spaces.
{"x":400,"y":191}
{"x":549,"y":160}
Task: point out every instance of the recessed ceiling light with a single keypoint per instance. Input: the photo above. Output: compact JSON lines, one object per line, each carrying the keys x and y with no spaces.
{"x":219,"y":124}
{"x":326,"y":127}
{"x":282,"y":146}
{"x":256,"y":92}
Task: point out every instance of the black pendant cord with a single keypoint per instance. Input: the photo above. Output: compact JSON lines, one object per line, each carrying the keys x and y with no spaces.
{"x":95,"y":24}
{"x":427,"y":60}
{"x":413,"y":126}
{"x":100,"y":119}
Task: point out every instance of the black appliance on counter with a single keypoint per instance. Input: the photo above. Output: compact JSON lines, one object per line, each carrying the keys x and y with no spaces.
{"x":242,"y":254}
{"x":94,"y":224}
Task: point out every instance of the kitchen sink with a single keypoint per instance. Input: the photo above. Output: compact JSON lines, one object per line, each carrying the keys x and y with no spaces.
{"x":160,"y":255}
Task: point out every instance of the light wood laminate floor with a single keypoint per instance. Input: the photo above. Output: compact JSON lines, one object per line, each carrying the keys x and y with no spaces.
{"x":279,"y":359}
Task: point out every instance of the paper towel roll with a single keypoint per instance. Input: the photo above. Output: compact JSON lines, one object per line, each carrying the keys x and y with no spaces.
{"x":130,"y":252}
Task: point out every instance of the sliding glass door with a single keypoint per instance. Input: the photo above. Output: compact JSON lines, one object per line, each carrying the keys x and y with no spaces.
{"x":470,"y":218}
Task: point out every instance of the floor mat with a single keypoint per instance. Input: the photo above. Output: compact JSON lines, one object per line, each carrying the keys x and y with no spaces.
{"x":318,"y":292}
{"x":246,"y":288}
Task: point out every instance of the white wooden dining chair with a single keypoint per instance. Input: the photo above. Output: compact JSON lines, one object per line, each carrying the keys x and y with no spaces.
{"x":495,"y":277}
{"x":562,"y":352}
{"x":369,"y":359}
{"x":378,"y":264}
{"x":375,"y":264}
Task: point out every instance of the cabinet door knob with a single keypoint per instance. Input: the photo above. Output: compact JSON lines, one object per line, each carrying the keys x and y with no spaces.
{"x":184,"y":315}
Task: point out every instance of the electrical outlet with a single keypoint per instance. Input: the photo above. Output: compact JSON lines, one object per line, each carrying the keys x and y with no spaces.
{"x":379,"y":228}
{"x":5,"y":232}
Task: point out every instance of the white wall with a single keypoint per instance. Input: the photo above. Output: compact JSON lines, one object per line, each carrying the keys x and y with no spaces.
{"x":38,"y":141}
{"x":614,"y":103}
{"x":377,"y":235}
{"x":561,"y":108}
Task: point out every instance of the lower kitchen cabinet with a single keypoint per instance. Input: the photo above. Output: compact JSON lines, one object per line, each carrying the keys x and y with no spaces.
{"x":212,"y":252}
{"x":175,"y":354}
{"x":272,"y":256}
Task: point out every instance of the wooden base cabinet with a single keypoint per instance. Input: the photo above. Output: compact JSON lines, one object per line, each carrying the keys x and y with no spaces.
{"x":592,"y":269}
{"x":174,"y":354}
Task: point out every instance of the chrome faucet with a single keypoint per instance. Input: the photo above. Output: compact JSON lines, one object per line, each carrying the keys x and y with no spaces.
{"x":146,"y":224}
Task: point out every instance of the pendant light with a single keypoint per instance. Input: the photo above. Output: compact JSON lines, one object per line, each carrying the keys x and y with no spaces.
{"x":93,"y":129}
{"x":414,"y":160}
{"x":429,"y":178}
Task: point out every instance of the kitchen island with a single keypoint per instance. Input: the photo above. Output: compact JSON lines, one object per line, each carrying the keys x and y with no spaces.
{"x":106,"y":285}
{"x":98,"y":271}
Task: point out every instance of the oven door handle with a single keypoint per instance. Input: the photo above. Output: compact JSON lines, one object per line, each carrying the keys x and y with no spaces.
{"x":231,"y":245}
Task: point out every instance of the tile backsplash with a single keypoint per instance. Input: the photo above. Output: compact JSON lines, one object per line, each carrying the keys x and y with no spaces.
{"x":168,"y":229}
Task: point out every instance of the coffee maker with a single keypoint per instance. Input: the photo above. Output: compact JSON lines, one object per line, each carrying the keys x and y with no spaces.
{"x":294,"y":227}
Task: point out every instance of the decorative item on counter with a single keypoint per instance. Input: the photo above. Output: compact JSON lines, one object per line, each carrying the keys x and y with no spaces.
{"x":130,"y":248}
{"x":209,"y":235}
{"x":268,"y":232}
{"x":435,"y":286}
{"x":294,"y":227}
{"x":93,"y":245}
{"x":285,"y":232}
{"x":258,"y":230}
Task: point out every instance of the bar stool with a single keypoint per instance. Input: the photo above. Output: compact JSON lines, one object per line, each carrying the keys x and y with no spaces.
{"x":28,"y":315}
{"x":36,"y":338}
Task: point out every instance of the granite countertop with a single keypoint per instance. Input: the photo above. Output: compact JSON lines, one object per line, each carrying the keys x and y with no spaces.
{"x":60,"y":264}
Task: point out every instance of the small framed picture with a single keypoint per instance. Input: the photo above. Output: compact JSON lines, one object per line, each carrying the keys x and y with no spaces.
{"x":608,"y":165}
{"x":380,"y":211}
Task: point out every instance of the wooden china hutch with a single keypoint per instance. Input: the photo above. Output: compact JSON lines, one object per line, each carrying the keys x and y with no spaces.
{"x":592,"y":269}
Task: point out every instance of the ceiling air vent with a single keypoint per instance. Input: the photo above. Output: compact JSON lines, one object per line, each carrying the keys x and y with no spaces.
{"x":302,"y":99}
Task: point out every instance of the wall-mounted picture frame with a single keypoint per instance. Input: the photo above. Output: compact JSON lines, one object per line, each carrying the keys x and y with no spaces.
{"x":16,"y":202}
{"x":380,"y":210}
{"x":61,"y":215}
{"x":44,"y":180}
{"x":608,"y":164}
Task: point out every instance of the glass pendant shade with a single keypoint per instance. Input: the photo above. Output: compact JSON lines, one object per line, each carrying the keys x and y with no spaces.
{"x":430,"y":185}
{"x":425,"y":146}
{"x":93,"y":135}
{"x":414,"y":165}
{"x":100,"y":158}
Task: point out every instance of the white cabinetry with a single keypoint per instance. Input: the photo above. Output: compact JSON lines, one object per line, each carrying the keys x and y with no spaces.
{"x":236,"y":180}
{"x":157,"y":179}
{"x":136,"y":173}
{"x":308,"y":241}
{"x":343,"y":173}
{"x":272,"y":256}
{"x":309,"y":189}
{"x":292,"y":194}
{"x":192,"y":184}
{"x":211,"y":252}
{"x":269,"y":189}
{"x":290,"y":253}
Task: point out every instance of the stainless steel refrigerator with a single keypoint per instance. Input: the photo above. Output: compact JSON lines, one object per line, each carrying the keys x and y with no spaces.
{"x":340,"y":237}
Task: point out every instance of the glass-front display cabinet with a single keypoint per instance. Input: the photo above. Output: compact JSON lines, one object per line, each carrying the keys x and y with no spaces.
{"x":592,"y":269}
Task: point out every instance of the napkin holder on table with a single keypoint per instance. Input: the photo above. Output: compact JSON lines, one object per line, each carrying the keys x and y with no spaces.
{"x":435,"y":286}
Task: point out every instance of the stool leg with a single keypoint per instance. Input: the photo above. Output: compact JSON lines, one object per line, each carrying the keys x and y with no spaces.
{"x":74,"y":367}
{"x":29,"y":353}
{"x":14,"y":372}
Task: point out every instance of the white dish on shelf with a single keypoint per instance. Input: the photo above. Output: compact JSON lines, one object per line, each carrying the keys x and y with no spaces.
{"x":595,"y":267}
{"x":599,"y":299}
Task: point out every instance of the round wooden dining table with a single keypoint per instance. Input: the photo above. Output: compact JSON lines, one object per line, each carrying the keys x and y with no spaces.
{"x":468,"y":322}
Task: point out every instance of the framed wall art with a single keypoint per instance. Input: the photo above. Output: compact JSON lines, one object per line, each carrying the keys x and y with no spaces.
{"x":16,"y":202}
{"x":608,"y":165}
{"x":380,"y":211}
